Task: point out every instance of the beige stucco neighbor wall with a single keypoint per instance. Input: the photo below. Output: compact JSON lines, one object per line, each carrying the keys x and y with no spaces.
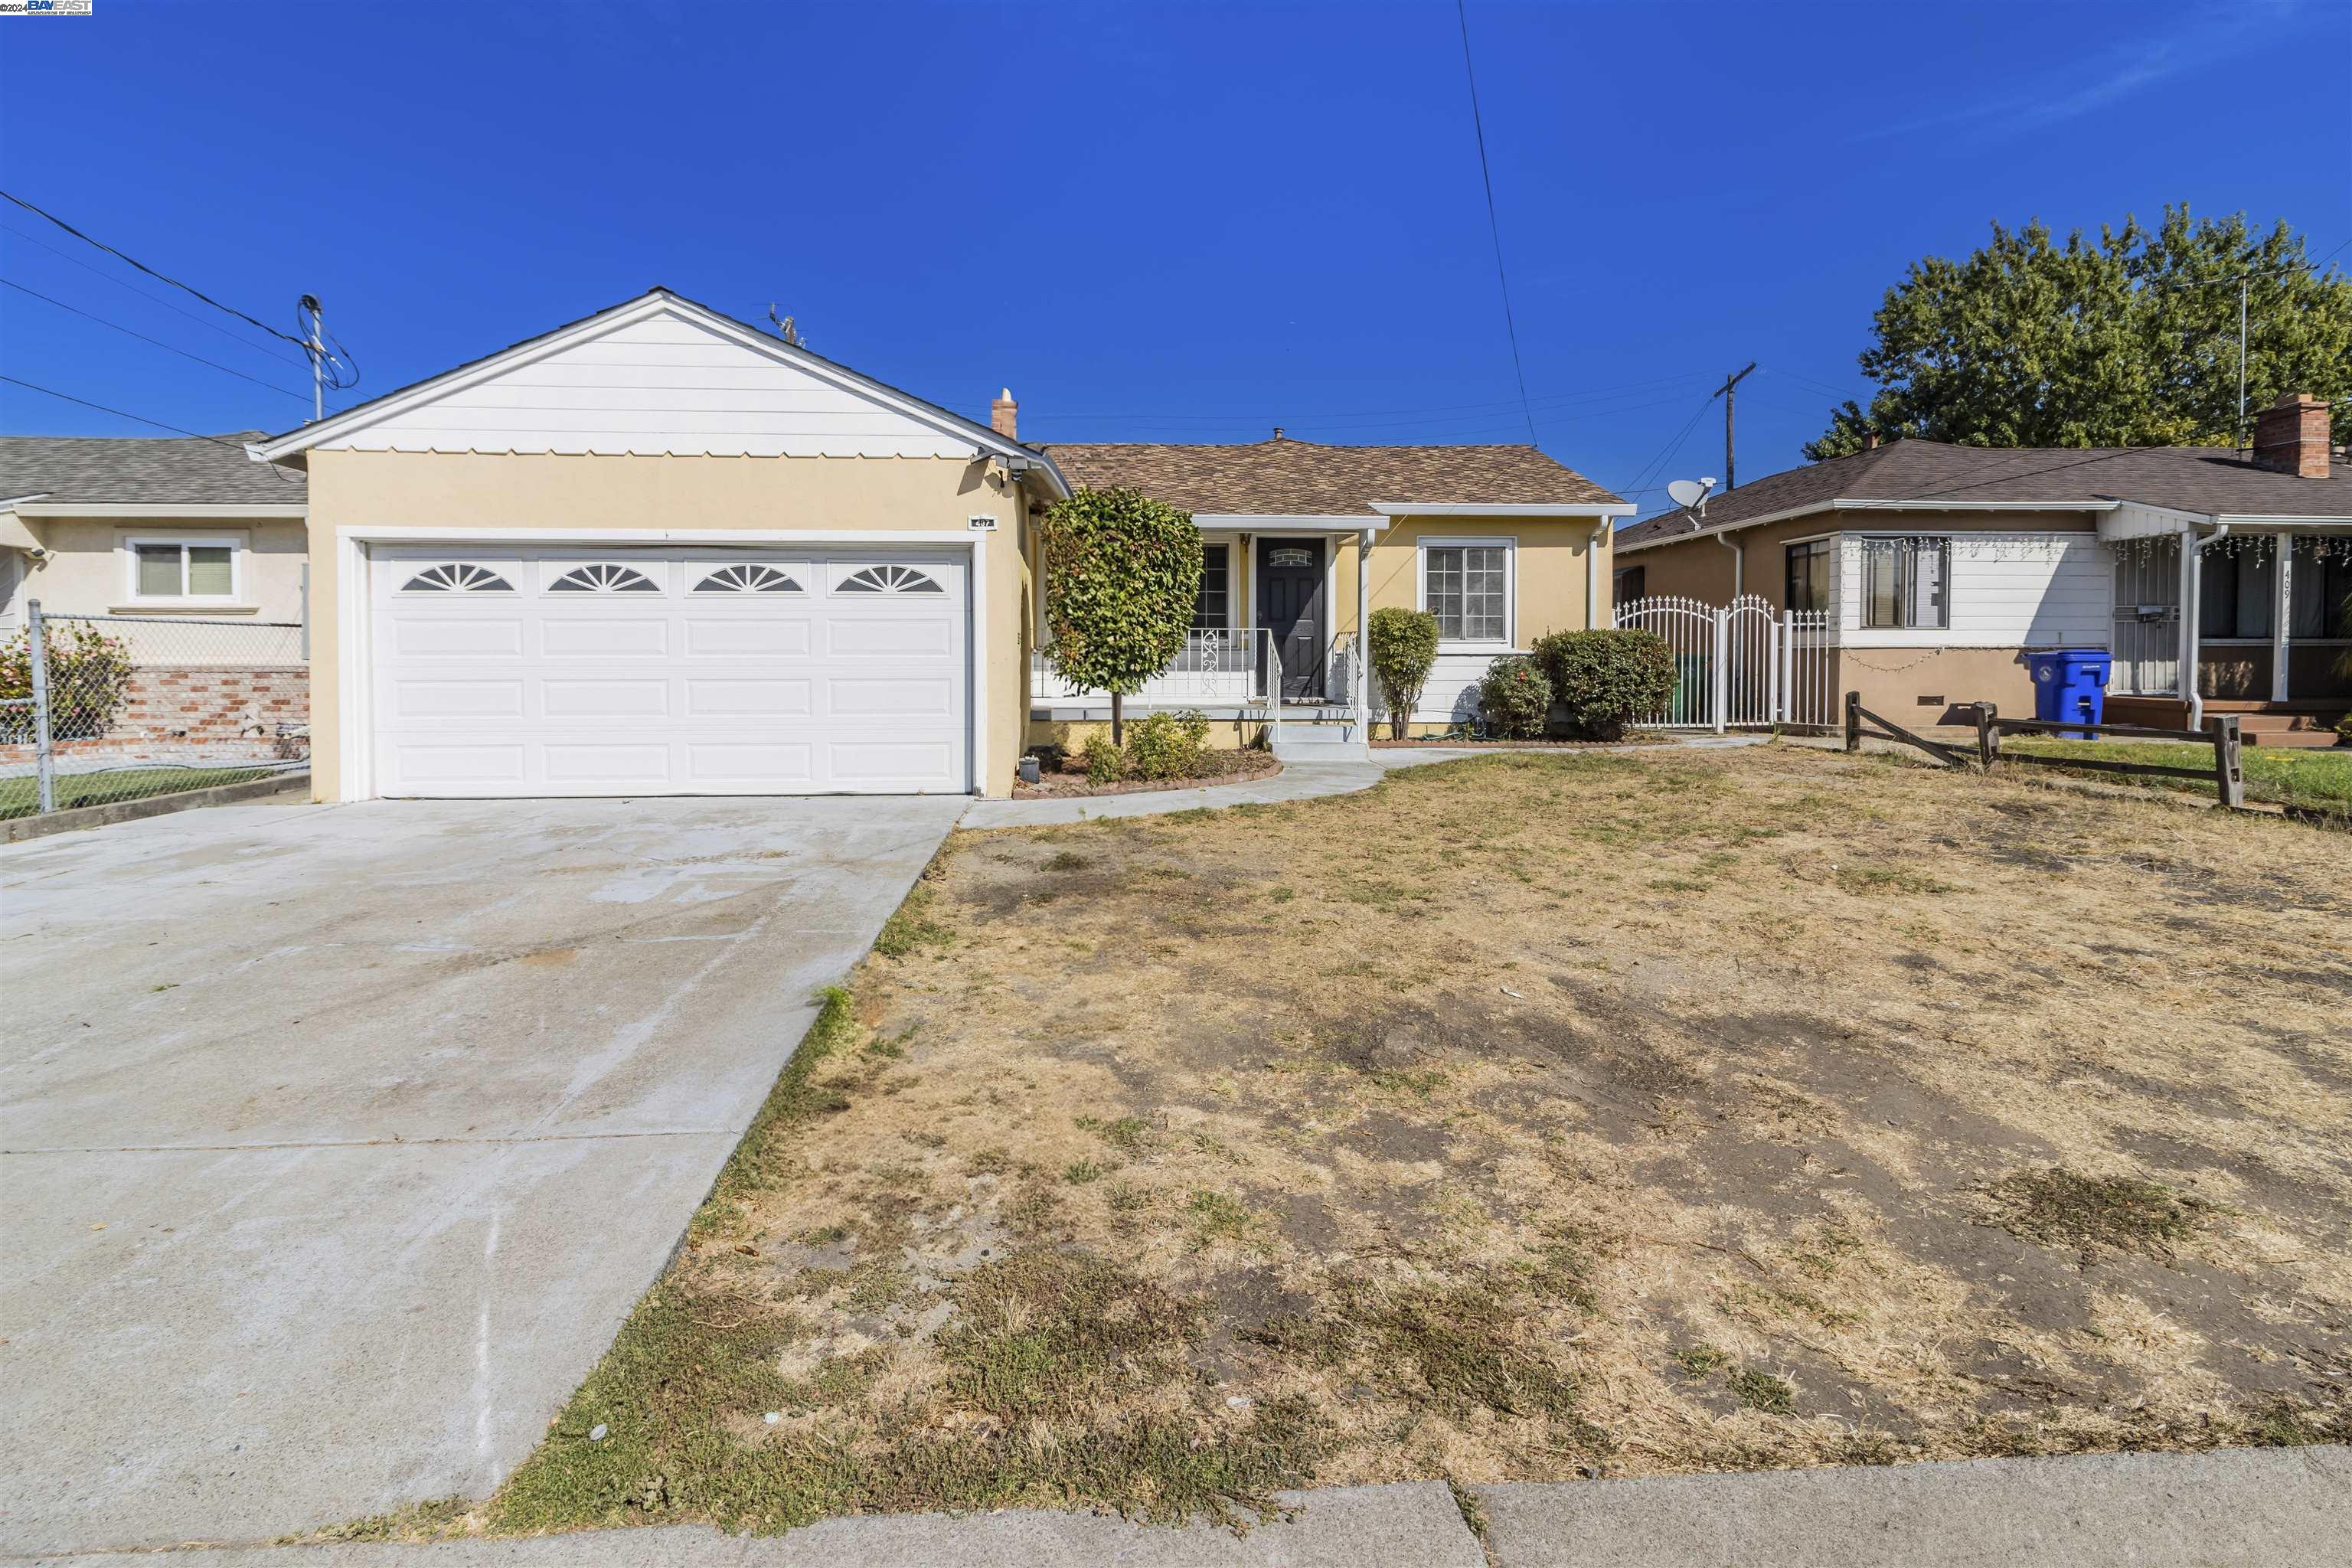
{"x":583,"y":496}
{"x":88,"y":575}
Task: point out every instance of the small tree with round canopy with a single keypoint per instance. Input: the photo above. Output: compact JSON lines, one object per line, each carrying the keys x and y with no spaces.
{"x":1122,"y":572}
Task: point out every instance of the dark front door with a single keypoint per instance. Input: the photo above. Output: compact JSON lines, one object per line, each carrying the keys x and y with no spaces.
{"x":1290,"y":607}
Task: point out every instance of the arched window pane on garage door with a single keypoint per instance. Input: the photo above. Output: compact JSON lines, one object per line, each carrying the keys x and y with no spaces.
{"x":748,"y":577}
{"x":890,"y":580}
{"x":603,"y":577}
{"x":456,"y":577}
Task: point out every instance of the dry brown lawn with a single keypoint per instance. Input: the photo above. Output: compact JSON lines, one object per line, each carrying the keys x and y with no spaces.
{"x":1525,"y":1118}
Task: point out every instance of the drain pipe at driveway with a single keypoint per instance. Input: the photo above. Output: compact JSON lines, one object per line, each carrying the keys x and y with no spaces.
{"x":2192,"y":613}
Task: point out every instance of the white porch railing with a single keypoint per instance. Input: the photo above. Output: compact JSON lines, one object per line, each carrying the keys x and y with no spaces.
{"x":1217,"y":669}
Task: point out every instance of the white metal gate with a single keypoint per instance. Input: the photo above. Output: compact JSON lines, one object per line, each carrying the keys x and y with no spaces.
{"x":1739,"y":665}
{"x":2148,"y":616}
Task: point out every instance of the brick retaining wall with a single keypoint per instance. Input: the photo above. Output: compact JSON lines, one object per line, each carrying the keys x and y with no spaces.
{"x":179,"y":706}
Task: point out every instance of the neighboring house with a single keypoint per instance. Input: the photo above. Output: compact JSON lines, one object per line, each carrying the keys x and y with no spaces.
{"x":168,"y":539}
{"x":1500,"y":542}
{"x":659,"y":550}
{"x":1940,"y":566}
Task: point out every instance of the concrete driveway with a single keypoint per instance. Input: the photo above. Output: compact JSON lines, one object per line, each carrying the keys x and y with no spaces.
{"x":339,"y":1139}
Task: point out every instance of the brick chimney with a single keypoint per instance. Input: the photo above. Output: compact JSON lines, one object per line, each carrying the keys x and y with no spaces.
{"x":1004,"y":415}
{"x":2291,"y":435}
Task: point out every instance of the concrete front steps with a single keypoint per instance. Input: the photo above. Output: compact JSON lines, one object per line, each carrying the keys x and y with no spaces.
{"x":1320,"y":735}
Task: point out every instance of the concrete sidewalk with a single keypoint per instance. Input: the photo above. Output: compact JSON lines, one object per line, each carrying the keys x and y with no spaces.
{"x":2275,"y":1508}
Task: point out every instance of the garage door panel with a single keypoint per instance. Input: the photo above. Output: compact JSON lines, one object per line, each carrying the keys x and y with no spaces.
{"x":604,"y":697}
{"x":763,"y":766}
{"x":890,"y":697}
{"x":596,"y":635}
{"x":455,"y":637}
{"x":779,"y":697}
{"x":610,"y":687}
{"x":430,"y":700}
{"x":852,"y":636}
{"x":748,"y":636}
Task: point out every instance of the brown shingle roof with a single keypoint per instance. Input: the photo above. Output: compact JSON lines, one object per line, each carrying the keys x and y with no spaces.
{"x":2205,"y":479}
{"x":1285,"y":477}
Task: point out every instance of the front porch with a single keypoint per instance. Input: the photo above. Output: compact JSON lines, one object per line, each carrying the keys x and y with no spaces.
{"x":2218,"y":615}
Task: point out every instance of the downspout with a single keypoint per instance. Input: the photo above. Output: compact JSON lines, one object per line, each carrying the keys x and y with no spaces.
{"x":2192,"y":616}
{"x":1593,"y":575}
{"x":1739,"y":564}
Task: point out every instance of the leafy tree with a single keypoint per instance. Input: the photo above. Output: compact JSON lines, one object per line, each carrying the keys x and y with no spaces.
{"x":2127,"y":340}
{"x":1122,"y":572}
{"x":1404,"y":650}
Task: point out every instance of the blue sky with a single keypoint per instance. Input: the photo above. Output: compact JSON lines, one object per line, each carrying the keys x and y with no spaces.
{"x":1154,"y":223}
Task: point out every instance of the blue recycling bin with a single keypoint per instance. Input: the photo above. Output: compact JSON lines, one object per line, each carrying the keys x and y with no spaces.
{"x":2070,"y":683}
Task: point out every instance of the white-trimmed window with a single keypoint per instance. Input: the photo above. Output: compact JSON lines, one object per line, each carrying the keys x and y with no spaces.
{"x":1904,"y":582}
{"x":1467,"y":584}
{"x":185,"y":570}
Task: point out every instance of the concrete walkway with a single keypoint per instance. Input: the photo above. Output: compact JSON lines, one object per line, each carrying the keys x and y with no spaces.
{"x":2274,"y":1508}
{"x":1297,"y":781}
{"x":339,"y":1139}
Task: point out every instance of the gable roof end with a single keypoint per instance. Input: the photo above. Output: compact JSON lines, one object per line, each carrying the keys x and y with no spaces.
{"x":654,"y":301}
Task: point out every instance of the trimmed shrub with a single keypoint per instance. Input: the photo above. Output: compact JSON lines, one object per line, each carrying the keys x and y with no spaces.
{"x":1606,"y":680}
{"x":1167,"y":746}
{"x":1121,"y":575}
{"x":1105,"y":764}
{"x":1515,"y":697}
{"x":1404,"y":650}
{"x":89,"y":681}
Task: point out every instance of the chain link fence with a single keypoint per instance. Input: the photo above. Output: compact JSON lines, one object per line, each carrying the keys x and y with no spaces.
{"x":100,"y":709}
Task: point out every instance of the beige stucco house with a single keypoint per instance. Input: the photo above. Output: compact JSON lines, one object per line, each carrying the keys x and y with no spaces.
{"x":659,"y":550}
{"x":2214,"y":581}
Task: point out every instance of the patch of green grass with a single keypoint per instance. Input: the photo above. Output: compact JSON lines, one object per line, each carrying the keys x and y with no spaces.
{"x":1078,"y":1173}
{"x":1760,"y":1390}
{"x":1856,"y":878}
{"x":1698,"y":1360}
{"x":790,"y":1104}
{"x":1213,"y":1217}
{"x":1129,"y":1134}
{"x":2061,"y":1208}
{"x":910,"y":929}
{"x":2291,"y":776}
{"x":1063,"y":860}
{"x":1420,"y":1085}
{"x":21,"y":795}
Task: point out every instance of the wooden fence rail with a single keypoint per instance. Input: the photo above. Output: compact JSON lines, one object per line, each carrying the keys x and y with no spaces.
{"x":2225,"y":773}
{"x":2221,"y":731}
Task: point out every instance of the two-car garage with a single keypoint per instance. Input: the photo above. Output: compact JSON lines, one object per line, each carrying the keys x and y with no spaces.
{"x":599,"y":671}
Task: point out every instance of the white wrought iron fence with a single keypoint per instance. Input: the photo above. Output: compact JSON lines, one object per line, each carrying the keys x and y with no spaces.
{"x":100,"y":709}
{"x":1739,"y":665}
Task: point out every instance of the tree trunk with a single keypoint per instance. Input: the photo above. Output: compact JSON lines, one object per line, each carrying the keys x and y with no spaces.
{"x":1118,"y":720}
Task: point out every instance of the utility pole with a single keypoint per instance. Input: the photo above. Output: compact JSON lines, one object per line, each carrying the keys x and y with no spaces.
{"x":317,"y":349}
{"x":1728,"y":393}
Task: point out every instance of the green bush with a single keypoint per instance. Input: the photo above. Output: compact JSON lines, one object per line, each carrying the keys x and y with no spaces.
{"x":1104,"y":764}
{"x":1122,"y":572}
{"x":88,"y":681}
{"x":1606,"y":680}
{"x":1515,"y":697}
{"x":1404,"y":649}
{"x":1167,"y":746}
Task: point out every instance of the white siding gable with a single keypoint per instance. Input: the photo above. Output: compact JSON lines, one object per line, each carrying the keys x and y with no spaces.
{"x":2007,"y":589}
{"x":658,"y":383}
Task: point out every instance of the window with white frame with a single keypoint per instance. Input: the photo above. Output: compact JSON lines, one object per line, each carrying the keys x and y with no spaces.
{"x":1902,"y":582}
{"x":182,"y":569}
{"x":1467,"y":586}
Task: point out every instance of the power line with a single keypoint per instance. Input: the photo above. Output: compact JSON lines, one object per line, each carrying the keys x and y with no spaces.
{"x":1494,"y":226}
{"x":1673,"y":448}
{"x":1197,"y":417}
{"x":203,"y":322}
{"x":160,"y":276}
{"x":159,"y":342}
{"x":140,"y":419}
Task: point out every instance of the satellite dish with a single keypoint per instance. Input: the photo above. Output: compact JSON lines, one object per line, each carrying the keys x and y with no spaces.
{"x":1689,"y":493}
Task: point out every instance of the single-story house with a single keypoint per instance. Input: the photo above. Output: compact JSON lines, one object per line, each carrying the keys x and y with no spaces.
{"x":2216,"y":582}
{"x":1303,"y":541}
{"x":660,"y":551}
{"x":193,"y":559}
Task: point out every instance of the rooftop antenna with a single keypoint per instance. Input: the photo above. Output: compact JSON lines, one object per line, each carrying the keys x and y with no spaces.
{"x":784,"y":328}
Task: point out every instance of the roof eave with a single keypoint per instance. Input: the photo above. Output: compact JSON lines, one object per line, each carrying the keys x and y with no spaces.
{"x":1609,"y":509}
{"x":1857,"y":503}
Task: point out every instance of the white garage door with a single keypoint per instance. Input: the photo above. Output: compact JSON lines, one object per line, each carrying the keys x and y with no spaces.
{"x":580,"y":671}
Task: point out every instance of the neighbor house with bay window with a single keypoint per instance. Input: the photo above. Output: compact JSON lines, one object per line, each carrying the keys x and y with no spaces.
{"x":2216,"y":580}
